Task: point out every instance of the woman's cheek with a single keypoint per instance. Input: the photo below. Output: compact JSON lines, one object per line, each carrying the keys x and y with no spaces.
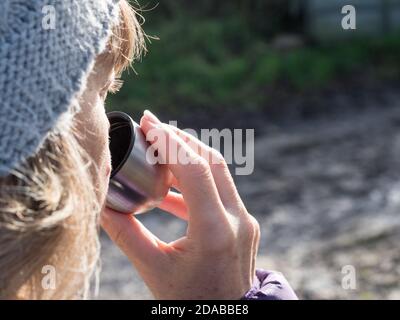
{"x":103,"y":136}
{"x":102,"y":144}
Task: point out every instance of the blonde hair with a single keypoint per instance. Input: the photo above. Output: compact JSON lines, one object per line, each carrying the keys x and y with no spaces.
{"x":49,"y":207}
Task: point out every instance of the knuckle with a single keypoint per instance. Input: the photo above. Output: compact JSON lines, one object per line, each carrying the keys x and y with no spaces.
{"x":247,"y":231}
{"x":200,"y":168}
{"x":218,"y":160}
{"x":218,"y":157}
{"x":202,"y":163}
{"x":255,"y":223}
{"x":250,"y":228}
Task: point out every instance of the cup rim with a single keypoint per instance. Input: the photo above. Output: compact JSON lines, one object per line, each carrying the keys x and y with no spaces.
{"x":123,"y":116}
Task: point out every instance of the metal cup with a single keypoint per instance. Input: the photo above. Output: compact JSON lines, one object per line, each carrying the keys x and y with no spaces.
{"x":136,"y":185}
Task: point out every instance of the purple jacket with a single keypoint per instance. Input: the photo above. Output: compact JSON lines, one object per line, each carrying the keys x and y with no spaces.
{"x":270,"y":285}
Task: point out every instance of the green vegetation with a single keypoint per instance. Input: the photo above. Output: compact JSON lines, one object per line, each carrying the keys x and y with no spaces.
{"x":219,"y":62}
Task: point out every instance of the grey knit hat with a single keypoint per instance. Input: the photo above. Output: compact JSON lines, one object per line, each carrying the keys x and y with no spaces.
{"x":47,"y":48}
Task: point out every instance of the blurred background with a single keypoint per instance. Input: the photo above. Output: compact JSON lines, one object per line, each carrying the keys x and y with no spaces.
{"x":324,"y":103}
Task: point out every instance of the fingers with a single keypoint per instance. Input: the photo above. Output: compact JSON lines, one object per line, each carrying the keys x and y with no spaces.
{"x":222,"y":176}
{"x":219,"y":169}
{"x":175,"y":204}
{"x":142,"y":247}
{"x":194,"y":177}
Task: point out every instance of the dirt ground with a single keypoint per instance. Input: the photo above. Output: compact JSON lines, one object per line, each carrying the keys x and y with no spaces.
{"x":327,"y":195}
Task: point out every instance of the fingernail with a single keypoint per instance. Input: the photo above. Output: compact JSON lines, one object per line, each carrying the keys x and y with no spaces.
{"x":151,"y":117}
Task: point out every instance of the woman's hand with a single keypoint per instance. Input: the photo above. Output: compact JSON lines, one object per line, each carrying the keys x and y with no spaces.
{"x":216,"y":258}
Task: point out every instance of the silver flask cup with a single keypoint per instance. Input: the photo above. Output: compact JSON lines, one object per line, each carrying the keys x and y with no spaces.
{"x":136,"y":185}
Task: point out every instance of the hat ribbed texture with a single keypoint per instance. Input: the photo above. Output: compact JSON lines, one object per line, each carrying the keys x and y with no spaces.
{"x":42,"y":70}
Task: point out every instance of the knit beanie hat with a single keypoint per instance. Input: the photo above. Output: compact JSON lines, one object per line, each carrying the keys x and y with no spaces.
{"x":47,"y":49}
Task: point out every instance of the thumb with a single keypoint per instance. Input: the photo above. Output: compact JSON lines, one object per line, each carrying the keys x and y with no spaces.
{"x":141,"y":246}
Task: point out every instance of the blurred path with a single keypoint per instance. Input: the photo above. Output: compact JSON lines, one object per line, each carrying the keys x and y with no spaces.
{"x":327,"y":194}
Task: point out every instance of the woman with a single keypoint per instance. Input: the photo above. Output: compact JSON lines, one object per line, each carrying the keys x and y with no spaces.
{"x":58,"y":60}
